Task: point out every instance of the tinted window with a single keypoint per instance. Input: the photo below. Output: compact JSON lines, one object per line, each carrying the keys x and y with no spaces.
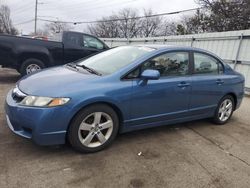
{"x":169,"y":64}
{"x":74,"y":39}
{"x":92,"y":42}
{"x":114,"y":59}
{"x":204,"y":64}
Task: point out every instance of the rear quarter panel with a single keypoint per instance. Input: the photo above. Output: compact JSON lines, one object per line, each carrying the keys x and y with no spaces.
{"x":236,"y":85}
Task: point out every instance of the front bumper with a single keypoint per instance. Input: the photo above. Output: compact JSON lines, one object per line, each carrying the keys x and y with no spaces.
{"x":45,"y":126}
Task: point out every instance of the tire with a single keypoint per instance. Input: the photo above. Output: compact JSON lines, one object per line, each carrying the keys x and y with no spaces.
{"x":30,"y":66}
{"x":219,"y":118}
{"x":88,"y":132}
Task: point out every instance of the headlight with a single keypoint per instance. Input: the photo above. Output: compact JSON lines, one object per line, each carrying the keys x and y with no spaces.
{"x":43,"y":101}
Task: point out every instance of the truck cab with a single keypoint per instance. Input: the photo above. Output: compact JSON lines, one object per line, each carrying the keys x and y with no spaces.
{"x":78,"y":45}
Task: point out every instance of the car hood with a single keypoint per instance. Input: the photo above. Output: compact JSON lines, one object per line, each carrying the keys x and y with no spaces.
{"x":55,"y":82}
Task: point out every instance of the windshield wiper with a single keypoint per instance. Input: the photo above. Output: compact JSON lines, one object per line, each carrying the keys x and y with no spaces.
{"x":72,"y":65}
{"x":89,"y":69}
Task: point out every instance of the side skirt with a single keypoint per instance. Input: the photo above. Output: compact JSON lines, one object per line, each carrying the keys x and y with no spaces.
{"x":128,"y":128}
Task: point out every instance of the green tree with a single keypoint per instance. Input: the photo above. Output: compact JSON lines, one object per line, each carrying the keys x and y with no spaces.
{"x":222,"y":15}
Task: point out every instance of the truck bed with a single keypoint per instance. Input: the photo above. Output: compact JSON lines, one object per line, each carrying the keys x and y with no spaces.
{"x":11,"y":45}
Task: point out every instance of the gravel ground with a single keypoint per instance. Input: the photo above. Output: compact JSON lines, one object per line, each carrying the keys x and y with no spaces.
{"x":193,"y":154}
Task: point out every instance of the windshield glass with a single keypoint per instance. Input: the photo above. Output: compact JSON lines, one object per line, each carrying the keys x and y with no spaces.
{"x":113,"y":60}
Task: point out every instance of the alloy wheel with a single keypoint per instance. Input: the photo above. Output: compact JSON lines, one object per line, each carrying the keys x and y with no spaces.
{"x":32,"y":68}
{"x":95,"y":129}
{"x":225,"y":110}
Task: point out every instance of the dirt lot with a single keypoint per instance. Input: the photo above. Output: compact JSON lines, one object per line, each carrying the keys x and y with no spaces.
{"x":194,"y":154}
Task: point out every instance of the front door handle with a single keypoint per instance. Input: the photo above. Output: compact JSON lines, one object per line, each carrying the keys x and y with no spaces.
{"x":183,"y":84}
{"x":219,"y":82}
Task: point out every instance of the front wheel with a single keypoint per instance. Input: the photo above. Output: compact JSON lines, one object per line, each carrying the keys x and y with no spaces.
{"x":224,"y":110}
{"x":93,"y":128}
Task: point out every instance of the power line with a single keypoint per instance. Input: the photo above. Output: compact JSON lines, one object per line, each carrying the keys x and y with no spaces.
{"x":92,"y":6}
{"x":21,"y":10}
{"x":75,"y":5}
{"x":17,"y":8}
{"x":21,"y":23}
{"x":121,"y":19}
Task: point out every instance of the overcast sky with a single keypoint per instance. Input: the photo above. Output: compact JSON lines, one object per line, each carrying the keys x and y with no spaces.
{"x":84,"y":10}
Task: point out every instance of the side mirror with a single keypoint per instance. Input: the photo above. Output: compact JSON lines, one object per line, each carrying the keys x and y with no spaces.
{"x":150,"y":74}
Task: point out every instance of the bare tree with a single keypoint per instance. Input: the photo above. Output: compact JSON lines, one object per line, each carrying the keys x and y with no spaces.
{"x":56,"y":27}
{"x":40,"y":32}
{"x":150,"y":26}
{"x":167,"y":28}
{"x":5,"y":21}
{"x":105,"y":28}
{"x":126,"y":24}
{"x":129,"y":26}
{"x":123,"y":24}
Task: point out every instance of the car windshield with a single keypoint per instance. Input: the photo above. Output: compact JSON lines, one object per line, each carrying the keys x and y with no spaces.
{"x":114,"y":59}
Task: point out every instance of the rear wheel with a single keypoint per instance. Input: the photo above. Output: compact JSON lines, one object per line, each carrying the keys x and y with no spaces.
{"x":93,"y":128}
{"x":224,"y":110}
{"x":30,"y":66}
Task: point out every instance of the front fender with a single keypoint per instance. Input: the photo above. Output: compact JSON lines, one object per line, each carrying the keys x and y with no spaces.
{"x":99,"y":99}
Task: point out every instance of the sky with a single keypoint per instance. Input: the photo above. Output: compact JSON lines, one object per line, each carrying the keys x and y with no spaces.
{"x":85,"y":10}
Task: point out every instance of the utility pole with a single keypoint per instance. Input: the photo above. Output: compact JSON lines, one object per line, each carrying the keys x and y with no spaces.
{"x":35,"y":16}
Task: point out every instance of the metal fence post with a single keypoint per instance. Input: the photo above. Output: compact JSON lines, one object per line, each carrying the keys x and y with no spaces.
{"x":192,"y":41}
{"x":128,"y":40}
{"x":238,"y":51}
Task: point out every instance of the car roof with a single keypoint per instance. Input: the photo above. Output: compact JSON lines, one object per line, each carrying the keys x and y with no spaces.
{"x":176,"y":47}
{"x":169,"y":47}
{"x":76,"y":32}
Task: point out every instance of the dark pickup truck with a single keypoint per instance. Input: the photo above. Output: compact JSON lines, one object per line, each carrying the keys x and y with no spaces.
{"x":28,"y":55}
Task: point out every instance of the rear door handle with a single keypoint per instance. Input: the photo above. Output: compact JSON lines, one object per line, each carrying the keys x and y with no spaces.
{"x":183,"y":84}
{"x":219,"y":81}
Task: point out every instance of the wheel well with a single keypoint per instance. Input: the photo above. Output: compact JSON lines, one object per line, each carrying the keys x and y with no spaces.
{"x":235,"y":99}
{"x":114,"y":107}
{"x":25,"y":57}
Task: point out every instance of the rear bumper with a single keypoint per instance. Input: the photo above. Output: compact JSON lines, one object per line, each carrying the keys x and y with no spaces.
{"x":45,"y":126}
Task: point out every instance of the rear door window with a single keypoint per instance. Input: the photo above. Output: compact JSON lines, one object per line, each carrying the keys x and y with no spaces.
{"x":205,"y":64}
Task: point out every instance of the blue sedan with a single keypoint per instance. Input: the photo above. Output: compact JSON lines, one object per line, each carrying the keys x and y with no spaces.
{"x":123,"y":89}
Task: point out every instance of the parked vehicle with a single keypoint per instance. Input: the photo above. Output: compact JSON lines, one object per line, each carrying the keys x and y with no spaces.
{"x":28,"y":55}
{"x":123,"y":89}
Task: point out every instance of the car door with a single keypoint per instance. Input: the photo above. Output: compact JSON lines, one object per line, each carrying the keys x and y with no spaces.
{"x":73,"y":47}
{"x":207,"y":84}
{"x":166,"y":98}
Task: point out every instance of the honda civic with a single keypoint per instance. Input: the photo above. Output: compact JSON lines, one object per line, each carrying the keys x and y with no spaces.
{"x":126,"y":88}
